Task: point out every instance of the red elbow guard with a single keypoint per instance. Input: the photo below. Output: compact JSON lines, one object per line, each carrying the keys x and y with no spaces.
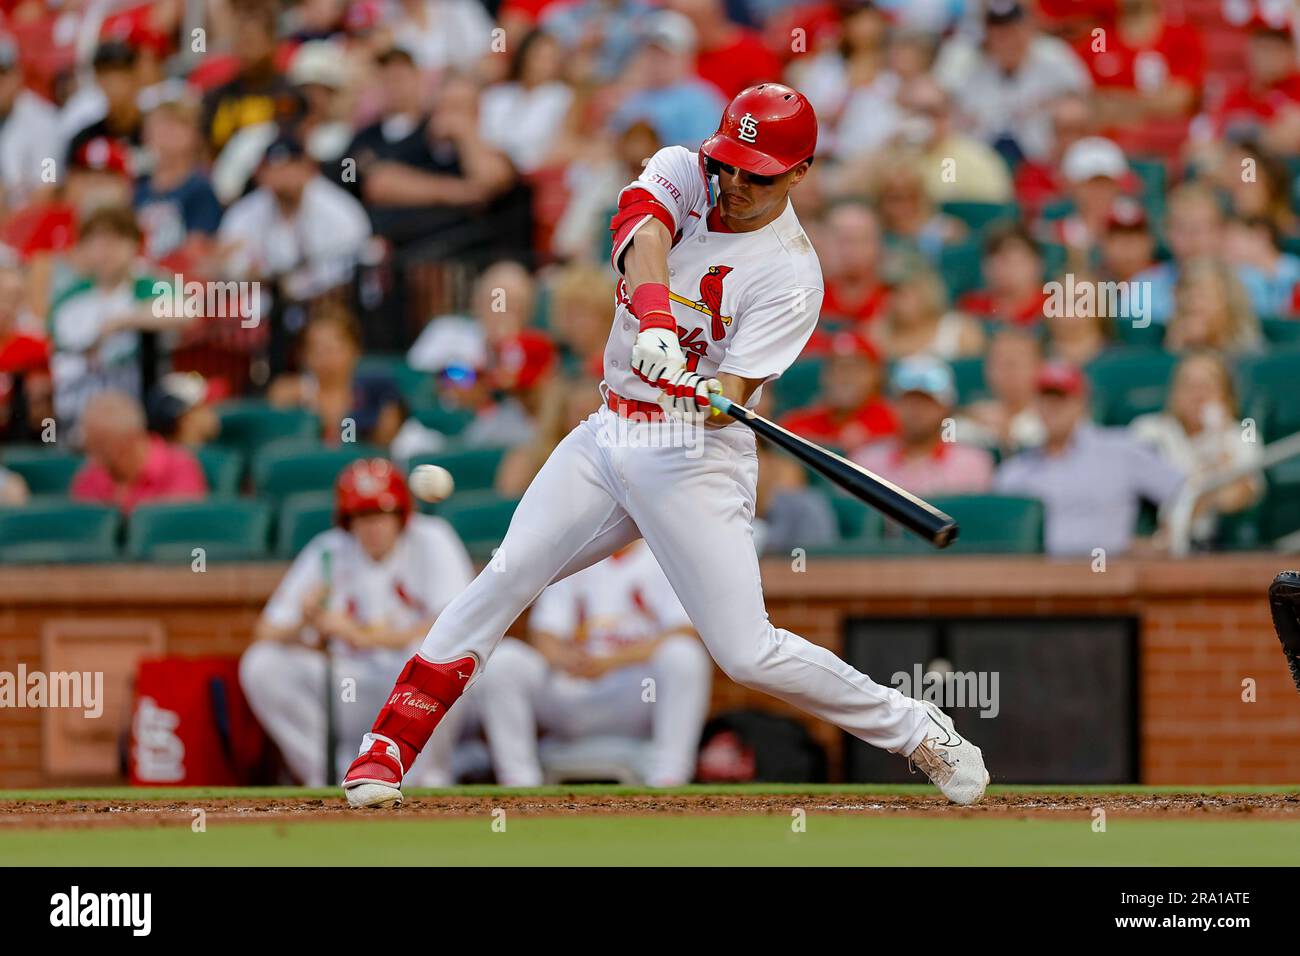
{"x":635,"y":206}
{"x":652,"y":307}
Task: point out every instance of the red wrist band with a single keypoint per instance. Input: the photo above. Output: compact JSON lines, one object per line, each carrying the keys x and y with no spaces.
{"x":650,"y":305}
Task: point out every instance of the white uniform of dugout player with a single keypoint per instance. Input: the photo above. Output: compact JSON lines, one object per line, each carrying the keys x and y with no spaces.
{"x":598,"y":637}
{"x":721,"y":290}
{"x":370,"y":587}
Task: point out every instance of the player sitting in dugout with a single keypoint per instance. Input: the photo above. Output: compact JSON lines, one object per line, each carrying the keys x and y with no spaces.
{"x":611,"y":652}
{"x":365,"y":592}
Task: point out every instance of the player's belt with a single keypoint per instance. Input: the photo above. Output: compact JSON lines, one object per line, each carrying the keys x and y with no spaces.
{"x":628,"y":407}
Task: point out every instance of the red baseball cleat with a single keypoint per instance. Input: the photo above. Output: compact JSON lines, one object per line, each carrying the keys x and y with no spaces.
{"x":375,"y":777}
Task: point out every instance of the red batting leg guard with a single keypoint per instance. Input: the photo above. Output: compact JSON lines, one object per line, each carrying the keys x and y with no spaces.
{"x":420,"y":697}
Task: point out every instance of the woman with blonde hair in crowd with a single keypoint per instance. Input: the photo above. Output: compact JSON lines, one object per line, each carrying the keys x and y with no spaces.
{"x":1211,"y":311}
{"x":917,"y":321}
{"x":1199,"y":432}
{"x":581,"y":298}
{"x":565,"y":403}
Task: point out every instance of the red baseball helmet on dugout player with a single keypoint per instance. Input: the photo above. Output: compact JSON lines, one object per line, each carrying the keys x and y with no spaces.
{"x":370,"y":486}
{"x":767,"y":129}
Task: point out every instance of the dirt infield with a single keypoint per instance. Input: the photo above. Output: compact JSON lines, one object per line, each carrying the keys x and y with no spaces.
{"x":61,"y":814}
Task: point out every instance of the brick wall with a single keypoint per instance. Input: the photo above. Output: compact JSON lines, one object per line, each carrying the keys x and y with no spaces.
{"x":1203,"y":628}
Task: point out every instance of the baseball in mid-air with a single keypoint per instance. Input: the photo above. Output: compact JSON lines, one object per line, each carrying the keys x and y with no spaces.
{"x":432,"y":483}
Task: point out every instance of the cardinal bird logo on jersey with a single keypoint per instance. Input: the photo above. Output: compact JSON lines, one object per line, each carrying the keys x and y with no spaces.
{"x":710,"y":300}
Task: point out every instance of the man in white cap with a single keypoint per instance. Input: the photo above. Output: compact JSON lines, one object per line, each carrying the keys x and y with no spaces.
{"x":1097,"y":174}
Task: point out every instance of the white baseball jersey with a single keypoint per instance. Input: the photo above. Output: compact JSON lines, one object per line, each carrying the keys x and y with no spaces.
{"x":622,"y":600}
{"x":745,"y":302}
{"x":426,"y":569}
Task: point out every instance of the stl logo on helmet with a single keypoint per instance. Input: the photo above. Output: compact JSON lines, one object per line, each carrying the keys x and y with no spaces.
{"x":748,"y":128}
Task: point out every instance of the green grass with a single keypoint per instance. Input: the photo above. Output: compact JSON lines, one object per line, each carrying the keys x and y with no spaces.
{"x":829,"y":839}
{"x":654,"y":841}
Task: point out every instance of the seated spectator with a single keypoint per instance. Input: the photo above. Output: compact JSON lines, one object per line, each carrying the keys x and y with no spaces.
{"x":594,"y":639}
{"x":1006,"y":86}
{"x":1091,"y":480}
{"x":956,"y":167}
{"x":24,"y":363}
{"x":1211,"y":311}
{"x":174,"y":202}
{"x":599,"y":39}
{"x":851,"y":257}
{"x":787,"y":513}
{"x":104,"y":326}
{"x":13,"y":489}
{"x":297,"y":227}
{"x":258,"y":92}
{"x":581,"y":306}
{"x":1270,"y":276}
{"x":351,"y":407}
{"x":180,"y":409}
{"x":910,"y":217}
{"x":1256,"y":184}
{"x":29,"y":132}
{"x":851,"y":410}
{"x":1269,"y":89}
{"x":846,"y":52}
{"x":1078,"y":339}
{"x":917,"y":322}
{"x":425,"y":173}
{"x":729,"y":56}
{"x":525,"y":115}
{"x":1097,"y":174}
{"x":1040,"y":181}
{"x":1127,"y":247}
{"x":126,"y":466}
{"x":924,"y":456}
{"x":441,"y":34}
{"x":682,"y":108}
{"x":365,"y":592}
{"x":1199,"y":434}
{"x":565,"y":403}
{"x":1193,"y":229}
{"x":121,"y":122}
{"x":1007,"y":421}
{"x":1013,"y":278}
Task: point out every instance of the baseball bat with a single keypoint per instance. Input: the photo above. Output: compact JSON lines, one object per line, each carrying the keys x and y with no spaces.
{"x":893,"y":502}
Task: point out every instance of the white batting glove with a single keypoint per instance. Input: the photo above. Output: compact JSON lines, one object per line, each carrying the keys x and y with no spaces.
{"x":657,"y":356}
{"x":686,"y":397}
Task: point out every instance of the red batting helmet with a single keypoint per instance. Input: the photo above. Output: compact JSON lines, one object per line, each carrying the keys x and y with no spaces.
{"x":370,"y":486}
{"x":767,"y":129}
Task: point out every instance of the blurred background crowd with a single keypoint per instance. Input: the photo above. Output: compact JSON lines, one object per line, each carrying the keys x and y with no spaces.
{"x":421,"y":191}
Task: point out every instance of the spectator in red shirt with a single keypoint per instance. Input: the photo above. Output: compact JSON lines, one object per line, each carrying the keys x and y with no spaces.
{"x":1039,"y":182}
{"x":851,"y":410}
{"x":1013,"y":277}
{"x":1270,"y":87}
{"x":127,"y":466}
{"x":24,"y":365}
{"x":1145,"y":68}
{"x":729,"y":56}
{"x":851,"y":256}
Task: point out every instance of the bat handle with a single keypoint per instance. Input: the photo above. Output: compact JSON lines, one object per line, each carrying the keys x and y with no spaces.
{"x":720,"y":402}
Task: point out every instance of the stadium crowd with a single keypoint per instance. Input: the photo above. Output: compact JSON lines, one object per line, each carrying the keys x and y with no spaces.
{"x":421,"y":191}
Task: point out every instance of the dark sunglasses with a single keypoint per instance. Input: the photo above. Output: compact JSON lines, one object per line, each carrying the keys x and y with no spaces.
{"x":713,"y":167}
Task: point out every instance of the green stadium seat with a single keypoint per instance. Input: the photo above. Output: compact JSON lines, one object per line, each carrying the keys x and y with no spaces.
{"x":248,"y":425}
{"x":1285,"y":332}
{"x":441,"y":418}
{"x":480,"y":519}
{"x":960,"y":265}
{"x":1054,"y":258}
{"x":1129,"y":382}
{"x":474,"y":469}
{"x":979,"y":215}
{"x":1150,"y":336}
{"x":856,"y":520}
{"x":1280,"y":510}
{"x":416,"y":387}
{"x":994,"y":524}
{"x":1269,"y":382}
{"x":47,"y":471}
{"x":1154,"y":177}
{"x":303,"y":516}
{"x":228,"y":529}
{"x":292,"y":465}
{"x":222,"y":467}
{"x":798,"y":385}
{"x":968,"y":375}
{"x":45,"y":531}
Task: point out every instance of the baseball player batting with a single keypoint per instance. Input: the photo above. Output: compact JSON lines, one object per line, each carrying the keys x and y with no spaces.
{"x":720,"y":290}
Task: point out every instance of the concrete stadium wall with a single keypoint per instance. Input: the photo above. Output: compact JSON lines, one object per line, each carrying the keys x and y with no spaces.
{"x":1203,"y":628}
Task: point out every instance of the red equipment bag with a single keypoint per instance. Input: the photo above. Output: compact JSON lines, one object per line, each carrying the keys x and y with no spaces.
{"x":191,"y":726}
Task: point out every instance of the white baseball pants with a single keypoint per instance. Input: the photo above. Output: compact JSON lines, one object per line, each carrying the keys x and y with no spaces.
{"x":689,"y":491}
